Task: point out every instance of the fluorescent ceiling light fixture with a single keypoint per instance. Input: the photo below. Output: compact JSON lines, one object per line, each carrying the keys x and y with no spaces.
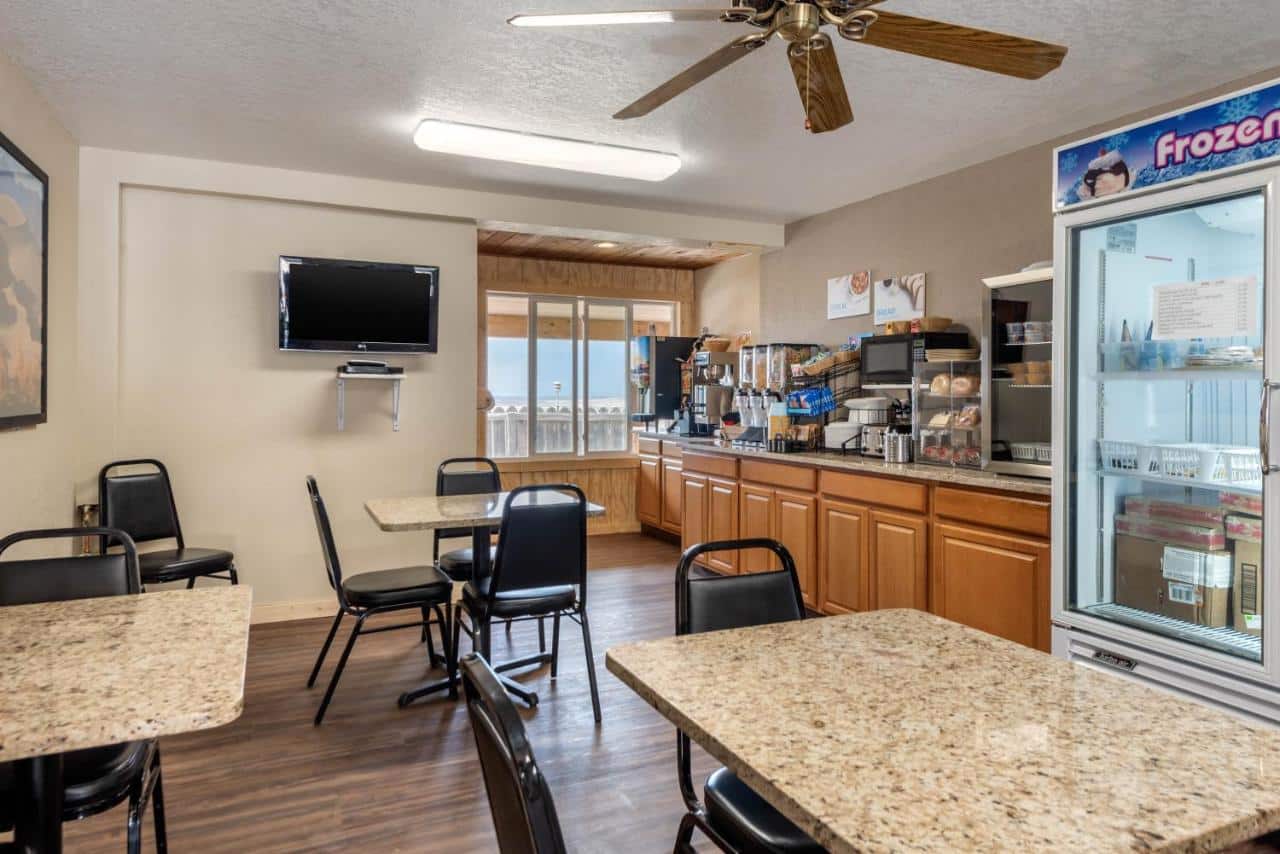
{"x":591,"y":19}
{"x":550,"y":151}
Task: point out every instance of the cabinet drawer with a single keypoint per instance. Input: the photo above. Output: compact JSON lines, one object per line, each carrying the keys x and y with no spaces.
{"x":788,"y":477}
{"x":672,"y":450}
{"x":649,"y":446}
{"x":992,"y":510}
{"x":884,"y":491}
{"x":710,"y":464}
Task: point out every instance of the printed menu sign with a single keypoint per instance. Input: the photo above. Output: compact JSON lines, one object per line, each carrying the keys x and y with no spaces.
{"x":849,"y":296}
{"x":1221,"y":308}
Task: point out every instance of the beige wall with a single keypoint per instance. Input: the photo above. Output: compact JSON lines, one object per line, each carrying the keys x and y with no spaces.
{"x":727,"y":296}
{"x":202,"y":386}
{"x":38,"y":463}
{"x":988,"y":219}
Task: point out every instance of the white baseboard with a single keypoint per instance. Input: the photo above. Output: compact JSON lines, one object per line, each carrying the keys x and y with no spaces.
{"x":279,"y":612}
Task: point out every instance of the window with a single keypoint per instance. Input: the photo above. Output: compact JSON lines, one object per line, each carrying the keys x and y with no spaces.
{"x":559,"y":372}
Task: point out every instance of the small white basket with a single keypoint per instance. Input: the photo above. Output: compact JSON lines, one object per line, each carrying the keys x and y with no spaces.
{"x":1117,"y":455}
{"x":1240,"y":466}
{"x":1023,"y":451}
{"x":1044,"y":452}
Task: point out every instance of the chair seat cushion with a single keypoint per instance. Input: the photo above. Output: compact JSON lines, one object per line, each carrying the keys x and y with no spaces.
{"x":518,"y":603}
{"x":407,"y":585}
{"x":177,"y":564}
{"x":457,"y":563}
{"x":93,"y":780}
{"x":748,"y":822}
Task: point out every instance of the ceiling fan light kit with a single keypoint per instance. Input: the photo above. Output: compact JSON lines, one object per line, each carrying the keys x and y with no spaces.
{"x":549,"y":151}
{"x":811,"y":52}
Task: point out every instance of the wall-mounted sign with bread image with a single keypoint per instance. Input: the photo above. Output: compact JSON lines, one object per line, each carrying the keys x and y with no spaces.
{"x":899,"y":298}
{"x":849,"y":296}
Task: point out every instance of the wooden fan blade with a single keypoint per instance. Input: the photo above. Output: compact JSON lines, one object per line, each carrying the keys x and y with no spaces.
{"x":693,"y":75}
{"x":596,"y":19}
{"x":1003,"y":54}
{"x":821,"y":86}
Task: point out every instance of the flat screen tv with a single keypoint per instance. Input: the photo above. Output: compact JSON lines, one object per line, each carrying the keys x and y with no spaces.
{"x":358,"y":306}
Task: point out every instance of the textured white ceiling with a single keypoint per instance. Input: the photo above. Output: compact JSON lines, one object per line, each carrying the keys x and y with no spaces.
{"x":338,"y":86}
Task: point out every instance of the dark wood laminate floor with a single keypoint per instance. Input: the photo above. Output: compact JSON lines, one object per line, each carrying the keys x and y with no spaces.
{"x":377,"y":778}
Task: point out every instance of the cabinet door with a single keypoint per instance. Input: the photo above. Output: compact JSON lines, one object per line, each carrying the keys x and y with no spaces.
{"x":898,"y":561}
{"x":649,"y":490}
{"x":755,"y":519}
{"x":722,"y":522}
{"x":796,"y":524}
{"x":991,"y":581}
{"x":671,"y":512}
{"x":843,"y":547}
{"x":693,"y":501}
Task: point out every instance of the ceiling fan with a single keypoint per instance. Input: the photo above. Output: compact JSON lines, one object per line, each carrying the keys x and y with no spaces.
{"x":811,"y":53}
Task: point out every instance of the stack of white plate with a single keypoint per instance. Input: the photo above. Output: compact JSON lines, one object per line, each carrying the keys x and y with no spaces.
{"x":951,"y":355}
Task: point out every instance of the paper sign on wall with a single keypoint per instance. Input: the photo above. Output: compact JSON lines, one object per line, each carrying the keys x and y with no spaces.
{"x":1218,"y":308}
{"x":849,"y":296}
{"x":900,"y":299}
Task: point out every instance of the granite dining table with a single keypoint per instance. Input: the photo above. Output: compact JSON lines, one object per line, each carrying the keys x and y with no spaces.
{"x":87,"y":673}
{"x":898,"y":730}
{"x":481,"y":512}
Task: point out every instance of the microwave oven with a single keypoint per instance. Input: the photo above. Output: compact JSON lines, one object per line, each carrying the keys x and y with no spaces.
{"x":891,"y":359}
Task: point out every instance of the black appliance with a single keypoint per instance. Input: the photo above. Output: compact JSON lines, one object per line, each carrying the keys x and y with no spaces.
{"x":358,"y":306}
{"x":656,"y":363}
{"x":891,"y":359}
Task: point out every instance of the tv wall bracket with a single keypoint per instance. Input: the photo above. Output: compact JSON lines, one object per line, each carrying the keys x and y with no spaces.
{"x":394,"y":379}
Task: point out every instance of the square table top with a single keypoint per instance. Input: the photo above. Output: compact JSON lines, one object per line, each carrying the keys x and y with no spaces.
{"x":899,"y":730}
{"x":427,"y":512}
{"x":90,"y":672}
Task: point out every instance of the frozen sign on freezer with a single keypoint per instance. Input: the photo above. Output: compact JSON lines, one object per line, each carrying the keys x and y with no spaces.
{"x":1224,"y":308}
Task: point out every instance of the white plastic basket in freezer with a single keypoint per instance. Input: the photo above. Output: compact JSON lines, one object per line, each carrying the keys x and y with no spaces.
{"x":1118,"y":456}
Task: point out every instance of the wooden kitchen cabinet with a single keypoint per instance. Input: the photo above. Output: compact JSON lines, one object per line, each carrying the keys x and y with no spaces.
{"x":693,"y":500}
{"x":671,"y":495}
{"x":649,"y":491}
{"x":722,"y":522}
{"x":795,"y":518}
{"x":755,"y":519}
{"x":898,"y":560}
{"x":992,"y":581}
{"x":844,"y":530}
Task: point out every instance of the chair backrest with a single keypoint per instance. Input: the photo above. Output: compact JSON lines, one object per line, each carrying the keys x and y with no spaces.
{"x":54,"y":579}
{"x":524,"y":815}
{"x":542,"y":540}
{"x":333,"y":568}
{"x":482,"y":477}
{"x":140,"y":504}
{"x":712,"y":602}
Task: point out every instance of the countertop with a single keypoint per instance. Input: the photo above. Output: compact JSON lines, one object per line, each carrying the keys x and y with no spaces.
{"x":834,"y":461}
{"x":898,"y":730}
{"x":90,"y":672}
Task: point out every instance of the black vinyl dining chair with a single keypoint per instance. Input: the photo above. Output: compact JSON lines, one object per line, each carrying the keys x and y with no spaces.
{"x":524,"y":814}
{"x":735,"y":818}
{"x":420,"y":588}
{"x":540,"y":570}
{"x":453,"y":479}
{"x":142,"y":505}
{"x":98,"y":778}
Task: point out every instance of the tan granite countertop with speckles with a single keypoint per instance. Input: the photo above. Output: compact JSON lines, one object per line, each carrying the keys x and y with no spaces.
{"x":835,"y":461}
{"x":900,"y":731}
{"x":426,"y":512}
{"x":90,"y":672}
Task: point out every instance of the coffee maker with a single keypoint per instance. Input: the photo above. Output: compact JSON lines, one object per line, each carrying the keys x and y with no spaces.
{"x":712,"y":386}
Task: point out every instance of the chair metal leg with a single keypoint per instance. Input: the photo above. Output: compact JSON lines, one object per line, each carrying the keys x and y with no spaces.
{"x":442,"y":620}
{"x":508,"y":628}
{"x":591,"y":664}
{"x":337,"y":673}
{"x":684,"y":836}
{"x":191,"y":582}
{"x":456,"y":618}
{"x":133,"y":826}
{"x":426,"y":628}
{"x":157,"y":810}
{"x":231,"y":570}
{"x":555,"y":644}
{"x":324,"y":650}
{"x":542,"y":635}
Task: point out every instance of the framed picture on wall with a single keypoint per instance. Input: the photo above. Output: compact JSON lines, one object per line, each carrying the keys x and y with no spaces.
{"x":24,"y":288}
